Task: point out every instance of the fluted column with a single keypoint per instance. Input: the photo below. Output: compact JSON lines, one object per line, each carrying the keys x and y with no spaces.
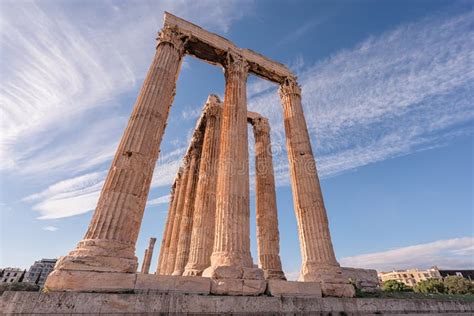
{"x":318,"y":259}
{"x":232,"y":241}
{"x":148,"y":256}
{"x":109,"y":243}
{"x":202,"y":236}
{"x":168,"y":266}
{"x":182,"y":251}
{"x":166,"y":240}
{"x":268,"y":239}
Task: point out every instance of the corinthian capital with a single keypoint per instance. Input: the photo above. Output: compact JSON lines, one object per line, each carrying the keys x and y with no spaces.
{"x":173,"y":37}
{"x":212,"y":110}
{"x":235,"y":63}
{"x":261,"y":125}
{"x":290,"y":86}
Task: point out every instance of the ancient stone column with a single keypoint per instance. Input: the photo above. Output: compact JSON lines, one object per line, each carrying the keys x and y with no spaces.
{"x":202,"y":236}
{"x":318,"y":260}
{"x":184,"y":238}
{"x":148,"y":255}
{"x":175,"y":231}
{"x":166,"y":240}
{"x":268,"y":240}
{"x":231,"y":257}
{"x":109,"y":243}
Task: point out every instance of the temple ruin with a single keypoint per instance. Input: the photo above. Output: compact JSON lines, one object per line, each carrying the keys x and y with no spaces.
{"x":206,"y":243}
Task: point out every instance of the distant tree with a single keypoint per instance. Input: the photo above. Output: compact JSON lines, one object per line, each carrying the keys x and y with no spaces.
{"x":458,"y":285}
{"x":394,"y":286}
{"x":430,"y":286}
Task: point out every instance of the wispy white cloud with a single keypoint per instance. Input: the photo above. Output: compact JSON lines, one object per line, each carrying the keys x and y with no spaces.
{"x":406,"y":90}
{"x":80,"y":194}
{"x":69,"y":197}
{"x":50,"y":228}
{"x":191,"y":113}
{"x":64,"y":72}
{"x":456,"y":253}
{"x":160,"y":200}
{"x":61,"y":63}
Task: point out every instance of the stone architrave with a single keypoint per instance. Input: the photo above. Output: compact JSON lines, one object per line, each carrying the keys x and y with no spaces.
{"x":268,"y":239}
{"x":318,"y":260}
{"x":184,"y":239}
{"x":165,"y":243}
{"x":109,"y":243}
{"x":231,"y":259}
{"x":148,"y":256}
{"x":202,"y":236}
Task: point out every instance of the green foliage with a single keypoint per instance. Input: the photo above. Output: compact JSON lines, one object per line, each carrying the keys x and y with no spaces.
{"x":394,"y":286}
{"x":430,"y":286}
{"x":458,"y":285}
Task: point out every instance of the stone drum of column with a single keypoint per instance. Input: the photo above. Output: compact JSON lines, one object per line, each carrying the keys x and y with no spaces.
{"x":184,"y":238}
{"x":202,"y":236}
{"x":109,"y":243}
{"x":268,"y":240}
{"x":318,"y":260}
{"x":148,"y":256}
{"x":165,"y":242}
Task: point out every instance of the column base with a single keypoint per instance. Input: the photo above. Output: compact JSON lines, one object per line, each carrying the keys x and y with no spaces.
{"x":332,"y":281}
{"x":101,"y":256}
{"x":233,"y":272}
{"x":274,"y":274}
{"x":232,"y":280}
{"x":192,"y":272}
{"x":177,"y":273}
{"x":90,"y":281}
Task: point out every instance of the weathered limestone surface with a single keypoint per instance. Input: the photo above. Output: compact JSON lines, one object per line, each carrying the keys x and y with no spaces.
{"x":202,"y":236}
{"x":365,"y":280}
{"x":109,"y":243}
{"x":148,"y":255}
{"x":182,"y":251}
{"x":105,"y":259}
{"x":318,"y":260}
{"x":172,"y":284}
{"x":232,"y":233}
{"x":166,"y":241}
{"x":99,"y":303}
{"x":213,"y":48}
{"x":268,"y":240}
{"x":282,"y":288}
{"x":170,"y":263}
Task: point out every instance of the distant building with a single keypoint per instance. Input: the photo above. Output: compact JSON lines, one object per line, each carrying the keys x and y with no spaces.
{"x":467,"y":274}
{"x":11,"y":275}
{"x":411,"y":276}
{"x":40,"y":270}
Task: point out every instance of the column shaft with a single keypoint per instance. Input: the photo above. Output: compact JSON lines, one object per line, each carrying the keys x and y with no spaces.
{"x":169,"y":264}
{"x":202,"y":236}
{"x":232,"y":240}
{"x":165,"y":243}
{"x":268,"y":239}
{"x":109,"y":243}
{"x":318,"y":259}
{"x":182,"y":250}
{"x":148,"y":256}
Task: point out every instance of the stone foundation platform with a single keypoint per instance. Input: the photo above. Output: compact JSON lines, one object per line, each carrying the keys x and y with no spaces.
{"x":113,"y":303}
{"x":112,"y":282}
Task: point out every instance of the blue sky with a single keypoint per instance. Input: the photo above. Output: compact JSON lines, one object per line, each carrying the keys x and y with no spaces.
{"x":387,"y":92}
